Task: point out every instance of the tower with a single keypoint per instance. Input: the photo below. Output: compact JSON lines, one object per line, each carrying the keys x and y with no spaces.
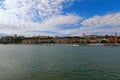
{"x":83,"y":34}
{"x":116,"y":40}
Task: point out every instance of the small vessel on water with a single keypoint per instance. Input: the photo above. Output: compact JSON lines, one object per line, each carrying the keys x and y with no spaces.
{"x":76,"y":45}
{"x":95,"y":44}
{"x":103,"y":44}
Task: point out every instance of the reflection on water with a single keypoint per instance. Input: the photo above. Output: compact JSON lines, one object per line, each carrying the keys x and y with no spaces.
{"x":59,"y":62}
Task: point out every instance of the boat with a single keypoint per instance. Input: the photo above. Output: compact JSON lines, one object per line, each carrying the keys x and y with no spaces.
{"x":76,"y":45}
{"x":95,"y":44}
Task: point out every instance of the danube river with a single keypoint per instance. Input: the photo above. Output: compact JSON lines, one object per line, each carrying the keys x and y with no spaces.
{"x":59,"y":62}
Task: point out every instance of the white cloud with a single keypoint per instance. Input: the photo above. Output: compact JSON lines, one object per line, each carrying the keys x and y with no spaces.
{"x":98,"y":21}
{"x":106,"y":24}
{"x":20,"y":16}
{"x":52,"y":24}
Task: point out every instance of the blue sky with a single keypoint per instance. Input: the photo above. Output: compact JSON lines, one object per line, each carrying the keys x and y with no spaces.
{"x":59,"y":17}
{"x":89,"y":8}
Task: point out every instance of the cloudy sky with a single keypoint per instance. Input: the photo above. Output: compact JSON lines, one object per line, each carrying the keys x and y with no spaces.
{"x":59,"y":17}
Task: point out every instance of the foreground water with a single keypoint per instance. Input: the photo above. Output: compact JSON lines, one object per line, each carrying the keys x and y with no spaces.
{"x":59,"y":62}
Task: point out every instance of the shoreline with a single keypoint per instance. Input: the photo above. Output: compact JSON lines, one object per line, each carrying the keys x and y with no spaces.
{"x":73,"y":44}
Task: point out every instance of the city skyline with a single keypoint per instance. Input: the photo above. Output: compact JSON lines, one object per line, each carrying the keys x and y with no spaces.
{"x":59,"y":17}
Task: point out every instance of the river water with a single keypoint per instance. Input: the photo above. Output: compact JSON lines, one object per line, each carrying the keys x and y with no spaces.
{"x":59,"y":62}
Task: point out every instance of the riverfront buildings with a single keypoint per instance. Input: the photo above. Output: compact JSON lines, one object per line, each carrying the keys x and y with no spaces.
{"x":85,"y":39}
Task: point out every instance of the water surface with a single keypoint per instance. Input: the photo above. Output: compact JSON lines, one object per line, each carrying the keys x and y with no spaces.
{"x":59,"y":62}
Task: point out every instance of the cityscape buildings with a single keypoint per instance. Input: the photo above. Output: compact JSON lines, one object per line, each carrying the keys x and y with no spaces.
{"x":85,"y":39}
